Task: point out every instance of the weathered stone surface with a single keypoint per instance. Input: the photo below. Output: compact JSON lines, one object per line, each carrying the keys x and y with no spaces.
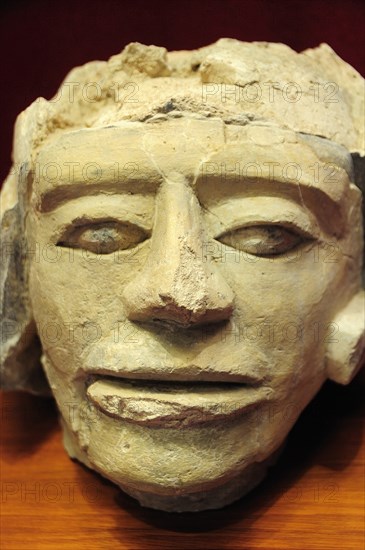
{"x":182,"y":254}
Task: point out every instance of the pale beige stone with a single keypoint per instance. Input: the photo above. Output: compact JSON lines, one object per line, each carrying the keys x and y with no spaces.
{"x":182,"y":251}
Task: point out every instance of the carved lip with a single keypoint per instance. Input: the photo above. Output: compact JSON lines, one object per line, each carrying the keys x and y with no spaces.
{"x":171,"y":374}
{"x":175,"y":404}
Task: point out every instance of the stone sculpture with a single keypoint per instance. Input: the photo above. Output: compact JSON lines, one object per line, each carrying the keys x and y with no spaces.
{"x":182,"y":253}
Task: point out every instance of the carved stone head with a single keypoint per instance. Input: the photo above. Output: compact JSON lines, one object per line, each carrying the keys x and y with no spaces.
{"x":182,"y":255}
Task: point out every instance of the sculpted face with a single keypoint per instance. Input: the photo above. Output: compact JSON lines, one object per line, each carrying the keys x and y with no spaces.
{"x":189,"y":286}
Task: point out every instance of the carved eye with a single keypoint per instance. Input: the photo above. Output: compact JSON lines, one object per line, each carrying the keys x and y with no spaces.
{"x":262,"y":240}
{"x":104,"y":237}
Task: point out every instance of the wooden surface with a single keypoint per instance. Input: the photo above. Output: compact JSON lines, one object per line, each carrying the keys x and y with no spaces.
{"x":312,"y":499}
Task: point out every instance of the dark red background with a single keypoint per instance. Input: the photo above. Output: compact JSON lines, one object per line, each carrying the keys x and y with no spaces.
{"x":41,"y":40}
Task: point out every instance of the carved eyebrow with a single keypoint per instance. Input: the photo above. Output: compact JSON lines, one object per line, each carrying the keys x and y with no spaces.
{"x":57,"y":196}
{"x":147,"y":178}
{"x":333,"y":190}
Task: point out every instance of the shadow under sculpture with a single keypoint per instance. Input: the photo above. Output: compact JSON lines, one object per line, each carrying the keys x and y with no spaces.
{"x":182,"y":256}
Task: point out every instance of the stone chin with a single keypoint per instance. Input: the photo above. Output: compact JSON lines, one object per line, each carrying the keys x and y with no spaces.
{"x":209,"y":498}
{"x":178,"y":484}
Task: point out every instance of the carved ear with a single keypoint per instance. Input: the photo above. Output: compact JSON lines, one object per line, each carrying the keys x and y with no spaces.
{"x":346,"y":353}
{"x":20,"y":367}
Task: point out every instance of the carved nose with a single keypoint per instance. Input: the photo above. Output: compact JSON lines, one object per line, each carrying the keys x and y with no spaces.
{"x":176,"y":284}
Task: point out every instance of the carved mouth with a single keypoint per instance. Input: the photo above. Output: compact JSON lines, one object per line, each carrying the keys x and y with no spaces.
{"x":178,"y":405}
